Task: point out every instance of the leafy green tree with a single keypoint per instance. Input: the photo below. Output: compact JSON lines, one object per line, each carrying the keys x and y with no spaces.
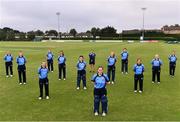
{"x":22,"y":36}
{"x":51,"y":33}
{"x":73,"y":32}
{"x":95,"y":32}
{"x":2,"y":35}
{"x":10,"y":35}
{"x":39,"y":33}
{"x":108,"y":32}
{"x":31,"y":35}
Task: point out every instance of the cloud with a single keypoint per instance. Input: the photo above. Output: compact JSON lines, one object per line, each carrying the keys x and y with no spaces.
{"x":84,"y":14}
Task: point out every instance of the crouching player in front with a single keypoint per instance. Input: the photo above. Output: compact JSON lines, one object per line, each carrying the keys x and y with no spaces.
{"x":43,"y":80}
{"x":172,"y":63}
{"x":21,"y":61}
{"x":8,"y":58}
{"x":81,"y":72}
{"x":138,"y":75}
{"x":100,"y":93}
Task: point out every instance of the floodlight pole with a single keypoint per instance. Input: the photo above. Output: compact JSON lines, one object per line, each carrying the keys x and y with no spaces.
{"x":58,"y":14}
{"x":143,"y":30}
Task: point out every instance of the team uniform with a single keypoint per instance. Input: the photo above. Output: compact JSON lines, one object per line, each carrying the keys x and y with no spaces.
{"x":111,"y":67}
{"x":100,"y":92}
{"x":50,"y":61}
{"x":43,"y":81}
{"x":124,"y":61}
{"x":172,"y":64}
{"x":8,"y":64}
{"x":62,"y":66}
{"x":156,"y":69}
{"x":92,"y":58}
{"x":81,"y":73}
{"x":21,"y":61}
{"x":138,"y":76}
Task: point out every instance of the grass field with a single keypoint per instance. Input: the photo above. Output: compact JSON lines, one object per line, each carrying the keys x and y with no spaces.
{"x":158,"y":102}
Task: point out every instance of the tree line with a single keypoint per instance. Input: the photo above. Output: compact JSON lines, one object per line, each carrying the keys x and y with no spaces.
{"x":108,"y":32}
{"x":9,"y":34}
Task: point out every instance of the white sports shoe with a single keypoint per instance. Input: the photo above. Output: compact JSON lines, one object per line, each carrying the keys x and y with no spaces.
{"x":77,"y":88}
{"x":122,"y":72}
{"x":24,"y":83}
{"x":103,"y":114}
{"x":140,"y":91}
{"x":59,"y":79}
{"x":20,"y":83}
{"x":11,"y":75}
{"x":135,"y":91}
{"x":158,"y":82}
{"x":96,"y":114}
{"x":153,"y":82}
{"x":47,"y":97}
{"x":126,"y":73}
{"x":112,"y":82}
{"x":40,"y":98}
{"x":85,"y":88}
{"x":52,"y":71}
{"x":7,"y":76}
{"x":64,"y":78}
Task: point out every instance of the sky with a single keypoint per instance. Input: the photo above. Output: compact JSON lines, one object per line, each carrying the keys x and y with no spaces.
{"x":26,"y":15}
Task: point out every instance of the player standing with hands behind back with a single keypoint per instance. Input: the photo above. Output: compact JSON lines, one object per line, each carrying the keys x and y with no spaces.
{"x":8,"y":58}
{"x":92,"y":57}
{"x":43,"y":80}
{"x":21,"y":61}
{"x":124,"y":61}
{"x":111,"y":66}
{"x":156,"y":68}
{"x":50,"y":60}
{"x":172,"y":63}
{"x":81,"y":72}
{"x":62,"y":65}
{"x":138,"y":75}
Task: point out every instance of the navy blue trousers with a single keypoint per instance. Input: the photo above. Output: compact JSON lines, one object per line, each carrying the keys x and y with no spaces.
{"x":100,"y":96}
{"x":81,"y":75}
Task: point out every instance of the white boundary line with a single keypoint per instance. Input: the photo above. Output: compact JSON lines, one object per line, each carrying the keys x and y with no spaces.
{"x":119,"y":41}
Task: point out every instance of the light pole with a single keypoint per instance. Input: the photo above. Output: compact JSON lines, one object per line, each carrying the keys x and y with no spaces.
{"x":0,"y":19}
{"x":58,"y":14}
{"x":143,"y":10}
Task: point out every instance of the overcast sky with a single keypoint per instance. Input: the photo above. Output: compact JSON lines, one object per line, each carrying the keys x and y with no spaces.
{"x":29,"y":15}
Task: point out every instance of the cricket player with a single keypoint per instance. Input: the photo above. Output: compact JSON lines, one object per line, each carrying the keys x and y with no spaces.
{"x":8,"y":58}
{"x":43,"y":80}
{"x":100,"y":93}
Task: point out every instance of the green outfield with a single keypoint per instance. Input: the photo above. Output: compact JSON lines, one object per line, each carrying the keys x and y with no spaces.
{"x":20,"y":102}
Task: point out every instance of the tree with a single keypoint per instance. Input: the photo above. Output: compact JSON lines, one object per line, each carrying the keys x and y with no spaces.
{"x":95,"y":32}
{"x":2,"y":35}
{"x":16,"y":31}
{"x":51,"y":33}
{"x":108,"y":32}
{"x":73,"y":32}
{"x":39,"y":33}
{"x":6,"y":29}
{"x":88,"y":31}
{"x":31,"y":35}
{"x":10,"y":35}
{"x":7,"y":34}
{"x":22,"y":36}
